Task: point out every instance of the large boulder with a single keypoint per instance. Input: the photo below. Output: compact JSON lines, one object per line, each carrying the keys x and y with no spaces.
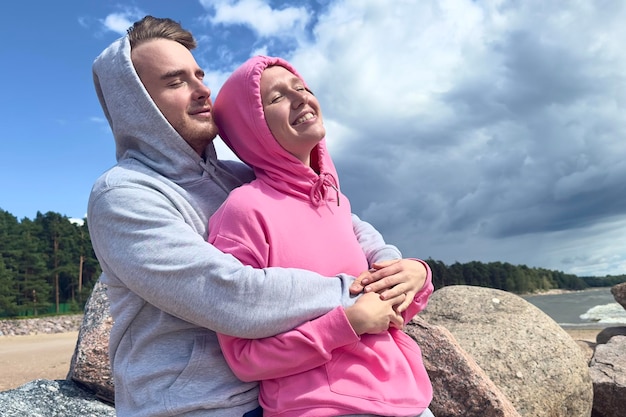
{"x":608,"y":371}
{"x":44,"y":398}
{"x":619,"y":293}
{"x":608,"y":332}
{"x":538,"y":366}
{"x":460,"y":387}
{"x":90,"y":365}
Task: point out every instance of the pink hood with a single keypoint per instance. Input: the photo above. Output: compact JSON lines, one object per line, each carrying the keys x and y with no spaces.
{"x":238,"y":112}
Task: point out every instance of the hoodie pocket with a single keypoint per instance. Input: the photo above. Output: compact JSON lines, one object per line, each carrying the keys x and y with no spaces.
{"x":379,"y":368}
{"x":358,"y":370}
{"x":198,"y":355}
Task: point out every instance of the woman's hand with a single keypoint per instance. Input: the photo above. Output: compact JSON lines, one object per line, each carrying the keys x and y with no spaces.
{"x":391,"y":279}
{"x":371,"y":314}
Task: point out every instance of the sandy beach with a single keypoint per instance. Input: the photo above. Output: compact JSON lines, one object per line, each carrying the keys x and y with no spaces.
{"x":40,"y":356}
{"x":48,"y":356}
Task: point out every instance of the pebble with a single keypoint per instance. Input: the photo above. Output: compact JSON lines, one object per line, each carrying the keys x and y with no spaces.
{"x":42,"y":325}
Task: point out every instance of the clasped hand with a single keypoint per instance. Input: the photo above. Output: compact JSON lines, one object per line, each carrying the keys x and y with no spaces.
{"x":389,"y":288}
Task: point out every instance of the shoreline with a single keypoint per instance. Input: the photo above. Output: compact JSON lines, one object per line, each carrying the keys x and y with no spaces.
{"x":557,"y":291}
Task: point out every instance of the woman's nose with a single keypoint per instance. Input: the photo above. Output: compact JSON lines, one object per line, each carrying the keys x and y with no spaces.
{"x":300,"y":99}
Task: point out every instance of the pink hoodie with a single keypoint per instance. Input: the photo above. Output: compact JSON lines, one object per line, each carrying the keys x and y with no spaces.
{"x":290,"y":216}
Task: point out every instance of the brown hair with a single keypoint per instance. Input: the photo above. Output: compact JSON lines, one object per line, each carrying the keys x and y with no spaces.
{"x":159,"y":28}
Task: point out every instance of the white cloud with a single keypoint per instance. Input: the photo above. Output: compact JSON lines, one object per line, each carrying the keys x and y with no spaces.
{"x":118,"y":23}
{"x":121,"y":21}
{"x":259,"y":16}
{"x":78,"y":222}
{"x":83,"y":21}
{"x":98,"y":119}
{"x":395,"y":60}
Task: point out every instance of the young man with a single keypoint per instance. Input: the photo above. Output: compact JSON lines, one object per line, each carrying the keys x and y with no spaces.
{"x":170,"y":290}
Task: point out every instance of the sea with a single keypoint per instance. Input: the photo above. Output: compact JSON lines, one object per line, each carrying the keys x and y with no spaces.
{"x":592,"y":308}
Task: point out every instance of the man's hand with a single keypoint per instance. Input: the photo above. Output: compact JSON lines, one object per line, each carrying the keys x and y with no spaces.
{"x":391,"y":279}
{"x":371,"y":314}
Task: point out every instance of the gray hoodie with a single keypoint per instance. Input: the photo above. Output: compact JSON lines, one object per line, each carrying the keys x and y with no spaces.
{"x":170,"y":290}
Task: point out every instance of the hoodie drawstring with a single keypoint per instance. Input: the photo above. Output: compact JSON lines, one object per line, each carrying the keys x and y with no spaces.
{"x":319,"y":190}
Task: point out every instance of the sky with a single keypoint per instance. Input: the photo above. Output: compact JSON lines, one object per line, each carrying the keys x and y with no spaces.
{"x":485,"y":130}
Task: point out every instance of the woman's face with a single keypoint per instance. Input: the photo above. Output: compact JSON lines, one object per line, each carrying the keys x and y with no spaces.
{"x":292,"y":113}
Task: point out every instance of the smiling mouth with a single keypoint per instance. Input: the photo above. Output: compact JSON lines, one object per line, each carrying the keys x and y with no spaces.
{"x":304,"y":118}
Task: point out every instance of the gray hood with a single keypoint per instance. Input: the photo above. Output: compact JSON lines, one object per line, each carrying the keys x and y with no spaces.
{"x":140,"y":130}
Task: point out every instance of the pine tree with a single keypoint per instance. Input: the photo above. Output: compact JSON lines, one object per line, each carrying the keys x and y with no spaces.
{"x":8,"y":305}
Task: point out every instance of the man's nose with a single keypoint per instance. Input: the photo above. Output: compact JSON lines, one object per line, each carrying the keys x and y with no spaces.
{"x":203,"y":91}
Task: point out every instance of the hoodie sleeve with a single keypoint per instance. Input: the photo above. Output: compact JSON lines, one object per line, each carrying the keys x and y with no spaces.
{"x":421,"y":298}
{"x":273,"y":357}
{"x":372,"y":242}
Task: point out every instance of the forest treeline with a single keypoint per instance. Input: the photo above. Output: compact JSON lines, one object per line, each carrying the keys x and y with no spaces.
{"x":47,"y":266}
{"x":518,"y":279}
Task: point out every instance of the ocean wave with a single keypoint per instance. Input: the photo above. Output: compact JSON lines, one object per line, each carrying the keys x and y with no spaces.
{"x":608,"y":313}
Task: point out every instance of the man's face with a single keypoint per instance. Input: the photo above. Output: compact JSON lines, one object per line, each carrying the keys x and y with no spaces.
{"x":292,"y":113}
{"x":174,"y":81}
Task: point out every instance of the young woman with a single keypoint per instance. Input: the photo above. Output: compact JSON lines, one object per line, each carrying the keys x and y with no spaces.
{"x":350,"y":361}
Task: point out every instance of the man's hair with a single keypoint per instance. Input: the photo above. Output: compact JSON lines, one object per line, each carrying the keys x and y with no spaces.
{"x":150,"y":28}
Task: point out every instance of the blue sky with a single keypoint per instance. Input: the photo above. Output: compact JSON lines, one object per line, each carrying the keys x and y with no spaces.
{"x":463,"y":130}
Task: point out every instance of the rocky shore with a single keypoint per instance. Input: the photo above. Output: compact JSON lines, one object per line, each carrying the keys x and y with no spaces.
{"x":489,"y":353}
{"x":43,"y":325}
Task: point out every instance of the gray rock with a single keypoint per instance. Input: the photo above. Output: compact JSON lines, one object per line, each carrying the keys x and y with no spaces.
{"x":587,"y":349}
{"x":526,"y":354}
{"x":608,"y":371}
{"x":607,"y":333}
{"x":90,"y":365}
{"x":460,"y":387}
{"x":44,"y":398}
{"x":619,"y":293}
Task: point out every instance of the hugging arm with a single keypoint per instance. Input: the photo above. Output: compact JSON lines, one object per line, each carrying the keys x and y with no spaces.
{"x":144,"y":245}
{"x":374,"y":246}
{"x":273,"y":357}
{"x":390,"y":275}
